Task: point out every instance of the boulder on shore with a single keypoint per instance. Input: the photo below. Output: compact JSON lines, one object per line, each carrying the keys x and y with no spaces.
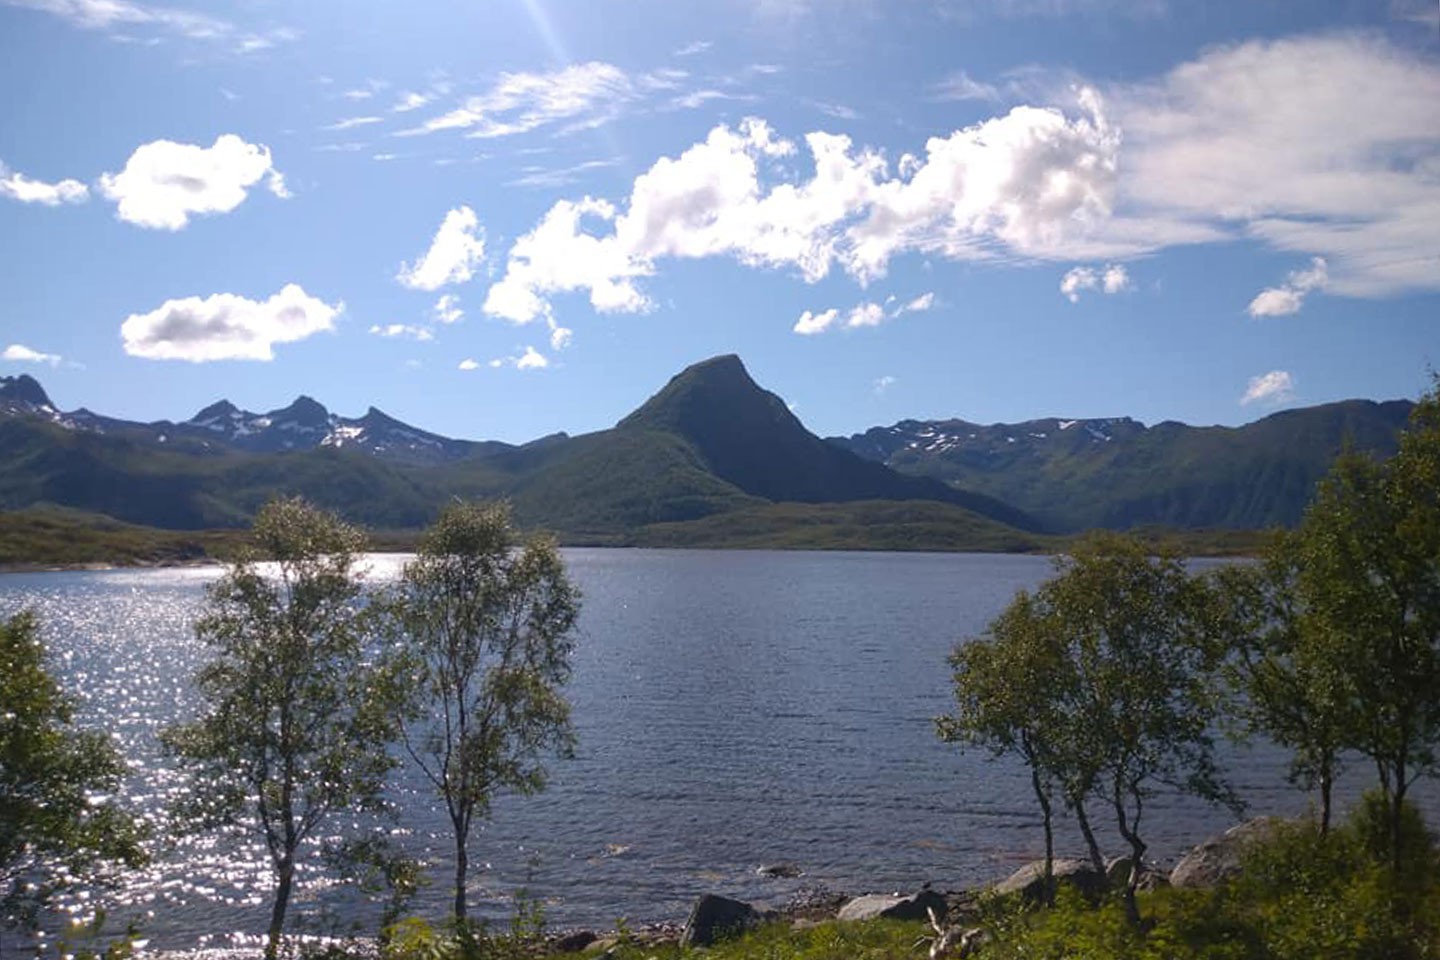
{"x":1218,"y":858}
{"x":715,"y":918}
{"x":1029,"y":880}
{"x":894,"y":907}
{"x":787,"y":871}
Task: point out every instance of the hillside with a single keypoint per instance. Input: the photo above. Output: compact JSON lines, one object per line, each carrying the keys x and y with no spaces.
{"x":1118,"y":473}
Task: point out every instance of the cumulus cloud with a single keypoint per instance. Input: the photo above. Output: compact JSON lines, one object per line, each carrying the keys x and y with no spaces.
{"x":226,"y":327}
{"x":866,"y":314}
{"x":447,"y":309}
{"x":810,"y":323}
{"x":1112,"y":278}
{"x":17,"y":186}
{"x":580,"y":95}
{"x":1275,"y":387}
{"x":468,"y":364}
{"x":164,"y":183}
{"x":20,"y":353}
{"x":530,"y":359}
{"x":1289,"y":297}
{"x":1022,"y":185}
{"x":1323,"y":145}
{"x":393,"y":331}
{"x":458,"y":246}
{"x":560,"y":337}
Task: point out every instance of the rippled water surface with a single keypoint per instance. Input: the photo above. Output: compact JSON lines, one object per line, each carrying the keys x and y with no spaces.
{"x":733,"y":708}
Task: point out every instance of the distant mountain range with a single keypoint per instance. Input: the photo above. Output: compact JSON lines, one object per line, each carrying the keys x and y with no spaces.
{"x":712,"y":458}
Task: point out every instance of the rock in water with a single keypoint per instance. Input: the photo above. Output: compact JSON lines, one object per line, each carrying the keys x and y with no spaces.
{"x":714,"y":918}
{"x":876,"y":906}
{"x":1219,"y":857}
{"x":787,"y":871}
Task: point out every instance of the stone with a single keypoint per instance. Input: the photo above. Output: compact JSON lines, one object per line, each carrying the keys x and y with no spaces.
{"x":786,"y":871}
{"x":1218,"y":858}
{"x":1029,"y":880}
{"x":878,"y":906}
{"x":715,"y":918}
{"x":574,"y":942}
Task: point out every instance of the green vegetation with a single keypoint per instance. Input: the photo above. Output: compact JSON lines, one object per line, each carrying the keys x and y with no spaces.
{"x":1259,"y":475}
{"x":483,"y":634}
{"x":55,"y":826}
{"x":295,"y":725}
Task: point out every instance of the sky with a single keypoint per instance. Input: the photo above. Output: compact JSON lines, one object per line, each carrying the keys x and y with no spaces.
{"x":498,"y":219}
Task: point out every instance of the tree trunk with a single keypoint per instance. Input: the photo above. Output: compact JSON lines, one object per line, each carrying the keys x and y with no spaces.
{"x":1049,"y":888}
{"x":1397,"y":811}
{"x":1097,"y":859}
{"x":1327,"y":781}
{"x":285,"y":878}
{"x":1137,"y":853}
{"x":462,"y":866}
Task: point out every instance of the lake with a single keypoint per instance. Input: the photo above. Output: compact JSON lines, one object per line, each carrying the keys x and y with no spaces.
{"x":733,"y":708}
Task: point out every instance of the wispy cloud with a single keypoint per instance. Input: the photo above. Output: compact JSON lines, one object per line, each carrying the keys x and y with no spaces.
{"x":580,"y":95}
{"x":115,"y":16}
{"x":882,"y":384}
{"x":408,"y":331}
{"x":691,"y":49}
{"x":961,"y":86}
{"x":350,"y":123}
{"x":541,"y":177}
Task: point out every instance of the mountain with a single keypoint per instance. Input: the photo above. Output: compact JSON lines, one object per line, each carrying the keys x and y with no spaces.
{"x":748,"y":437}
{"x":711,"y":458}
{"x":711,"y":442}
{"x":1119,"y":473}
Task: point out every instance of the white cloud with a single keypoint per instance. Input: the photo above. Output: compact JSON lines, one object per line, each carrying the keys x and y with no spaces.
{"x":358,"y":94}
{"x":20,"y":353}
{"x":350,"y":123}
{"x":468,"y":364}
{"x":1277,"y":386}
{"x":961,"y":86}
{"x":226,"y":327}
{"x":1289,"y":297}
{"x":447,"y":309}
{"x":691,"y":49}
{"x":1112,"y":278}
{"x":1018,"y":185}
{"x":410,"y":100}
{"x":1115,"y":279}
{"x":17,"y":186}
{"x":531,"y":360}
{"x":560,"y":337}
{"x":865,"y":315}
{"x":698,"y":98}
{"x":458,"y":247}
{"x":883,"y":384}
{"x":116,"y":15}
{"x":395,"y":330}
{"x":164,"y":183}
{"x":810,"y":324}
{"x":580,"y":95}
{"x":540,"y":177}
{"x":920,"y":304}
{"x":1322,"y":145}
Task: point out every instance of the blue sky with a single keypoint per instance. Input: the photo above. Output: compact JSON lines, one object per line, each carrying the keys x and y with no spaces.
{"x":502,"y":219}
